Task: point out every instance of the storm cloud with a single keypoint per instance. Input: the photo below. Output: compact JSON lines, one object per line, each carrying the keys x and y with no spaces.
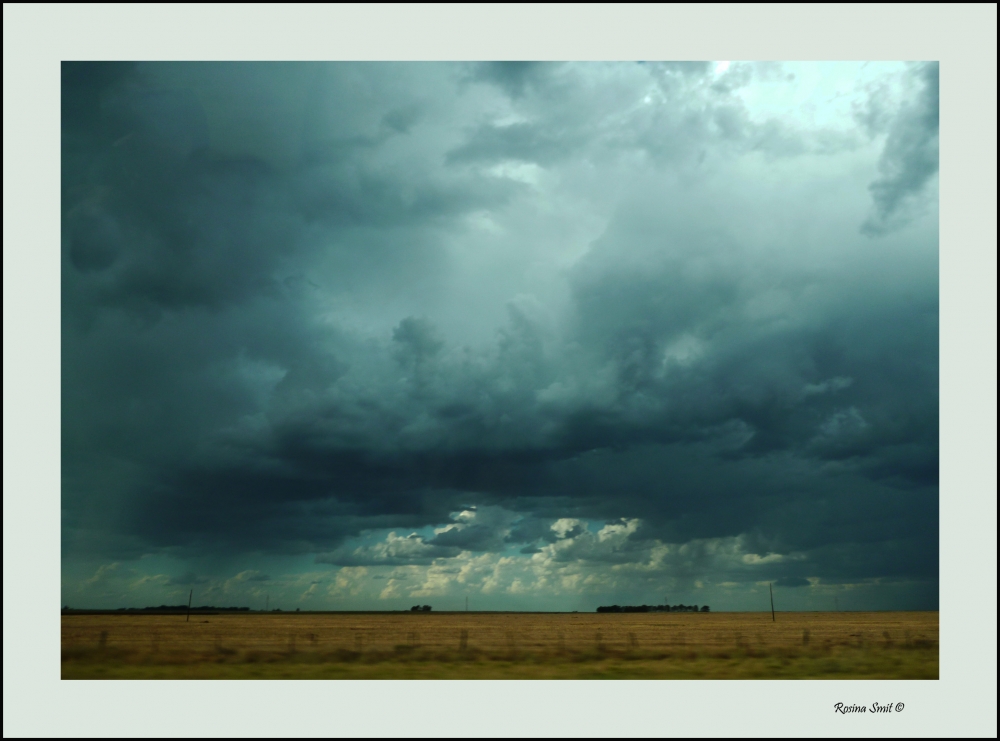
{"x":349,"y":334}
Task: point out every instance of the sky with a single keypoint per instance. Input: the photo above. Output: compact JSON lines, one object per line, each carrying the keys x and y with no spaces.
{"x":538,"y":336}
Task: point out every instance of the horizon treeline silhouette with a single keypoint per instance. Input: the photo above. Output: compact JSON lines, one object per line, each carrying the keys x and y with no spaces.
{"x":653,"y":608}
{"x":173,"y":608}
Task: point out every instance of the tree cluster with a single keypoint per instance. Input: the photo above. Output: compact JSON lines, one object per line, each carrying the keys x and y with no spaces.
{"x":653,"y":608}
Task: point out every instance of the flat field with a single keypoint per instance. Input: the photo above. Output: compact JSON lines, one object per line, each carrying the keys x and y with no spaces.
{"x":464,"y":645}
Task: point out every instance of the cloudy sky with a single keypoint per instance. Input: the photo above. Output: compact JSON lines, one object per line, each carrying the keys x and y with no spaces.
{"x":542,"y":336}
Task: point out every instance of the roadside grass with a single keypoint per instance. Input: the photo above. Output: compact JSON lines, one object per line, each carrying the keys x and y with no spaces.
{"x":503,"y":646}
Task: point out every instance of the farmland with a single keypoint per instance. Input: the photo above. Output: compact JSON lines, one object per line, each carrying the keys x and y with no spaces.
{"x":462,"y":645}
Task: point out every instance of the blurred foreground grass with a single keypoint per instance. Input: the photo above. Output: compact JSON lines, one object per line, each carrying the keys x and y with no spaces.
{"x":844,"y":664}
{"x":502,"y":646}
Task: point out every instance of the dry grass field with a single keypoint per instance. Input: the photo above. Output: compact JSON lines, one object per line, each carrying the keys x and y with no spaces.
{"x":848,"y":645}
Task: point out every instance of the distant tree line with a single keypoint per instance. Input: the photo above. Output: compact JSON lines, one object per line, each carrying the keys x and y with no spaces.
{"x":418,"y":608}
{"x":183,"y":608}
{"x":653,"y":608}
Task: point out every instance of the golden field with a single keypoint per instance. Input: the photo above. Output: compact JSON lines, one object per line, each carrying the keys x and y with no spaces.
{"x":462,"y":645}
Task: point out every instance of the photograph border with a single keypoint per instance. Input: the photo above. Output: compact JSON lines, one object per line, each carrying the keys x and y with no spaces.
{"x":38,"y":37}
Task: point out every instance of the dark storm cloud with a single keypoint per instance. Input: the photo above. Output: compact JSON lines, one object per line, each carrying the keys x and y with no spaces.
{"x":474,"y":538}
{"x":512,"y":77}
{"x":518,"y":141}
{"x":418,"y":343}
{"x":792,"y":581}
{"x":910,"y":157}
{"x":188,"y":578}
{"x":257,"y":355}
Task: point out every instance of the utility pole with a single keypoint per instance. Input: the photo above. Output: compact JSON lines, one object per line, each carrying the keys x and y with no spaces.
{"x":771,"y":592}
{"x":190,"y":595}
